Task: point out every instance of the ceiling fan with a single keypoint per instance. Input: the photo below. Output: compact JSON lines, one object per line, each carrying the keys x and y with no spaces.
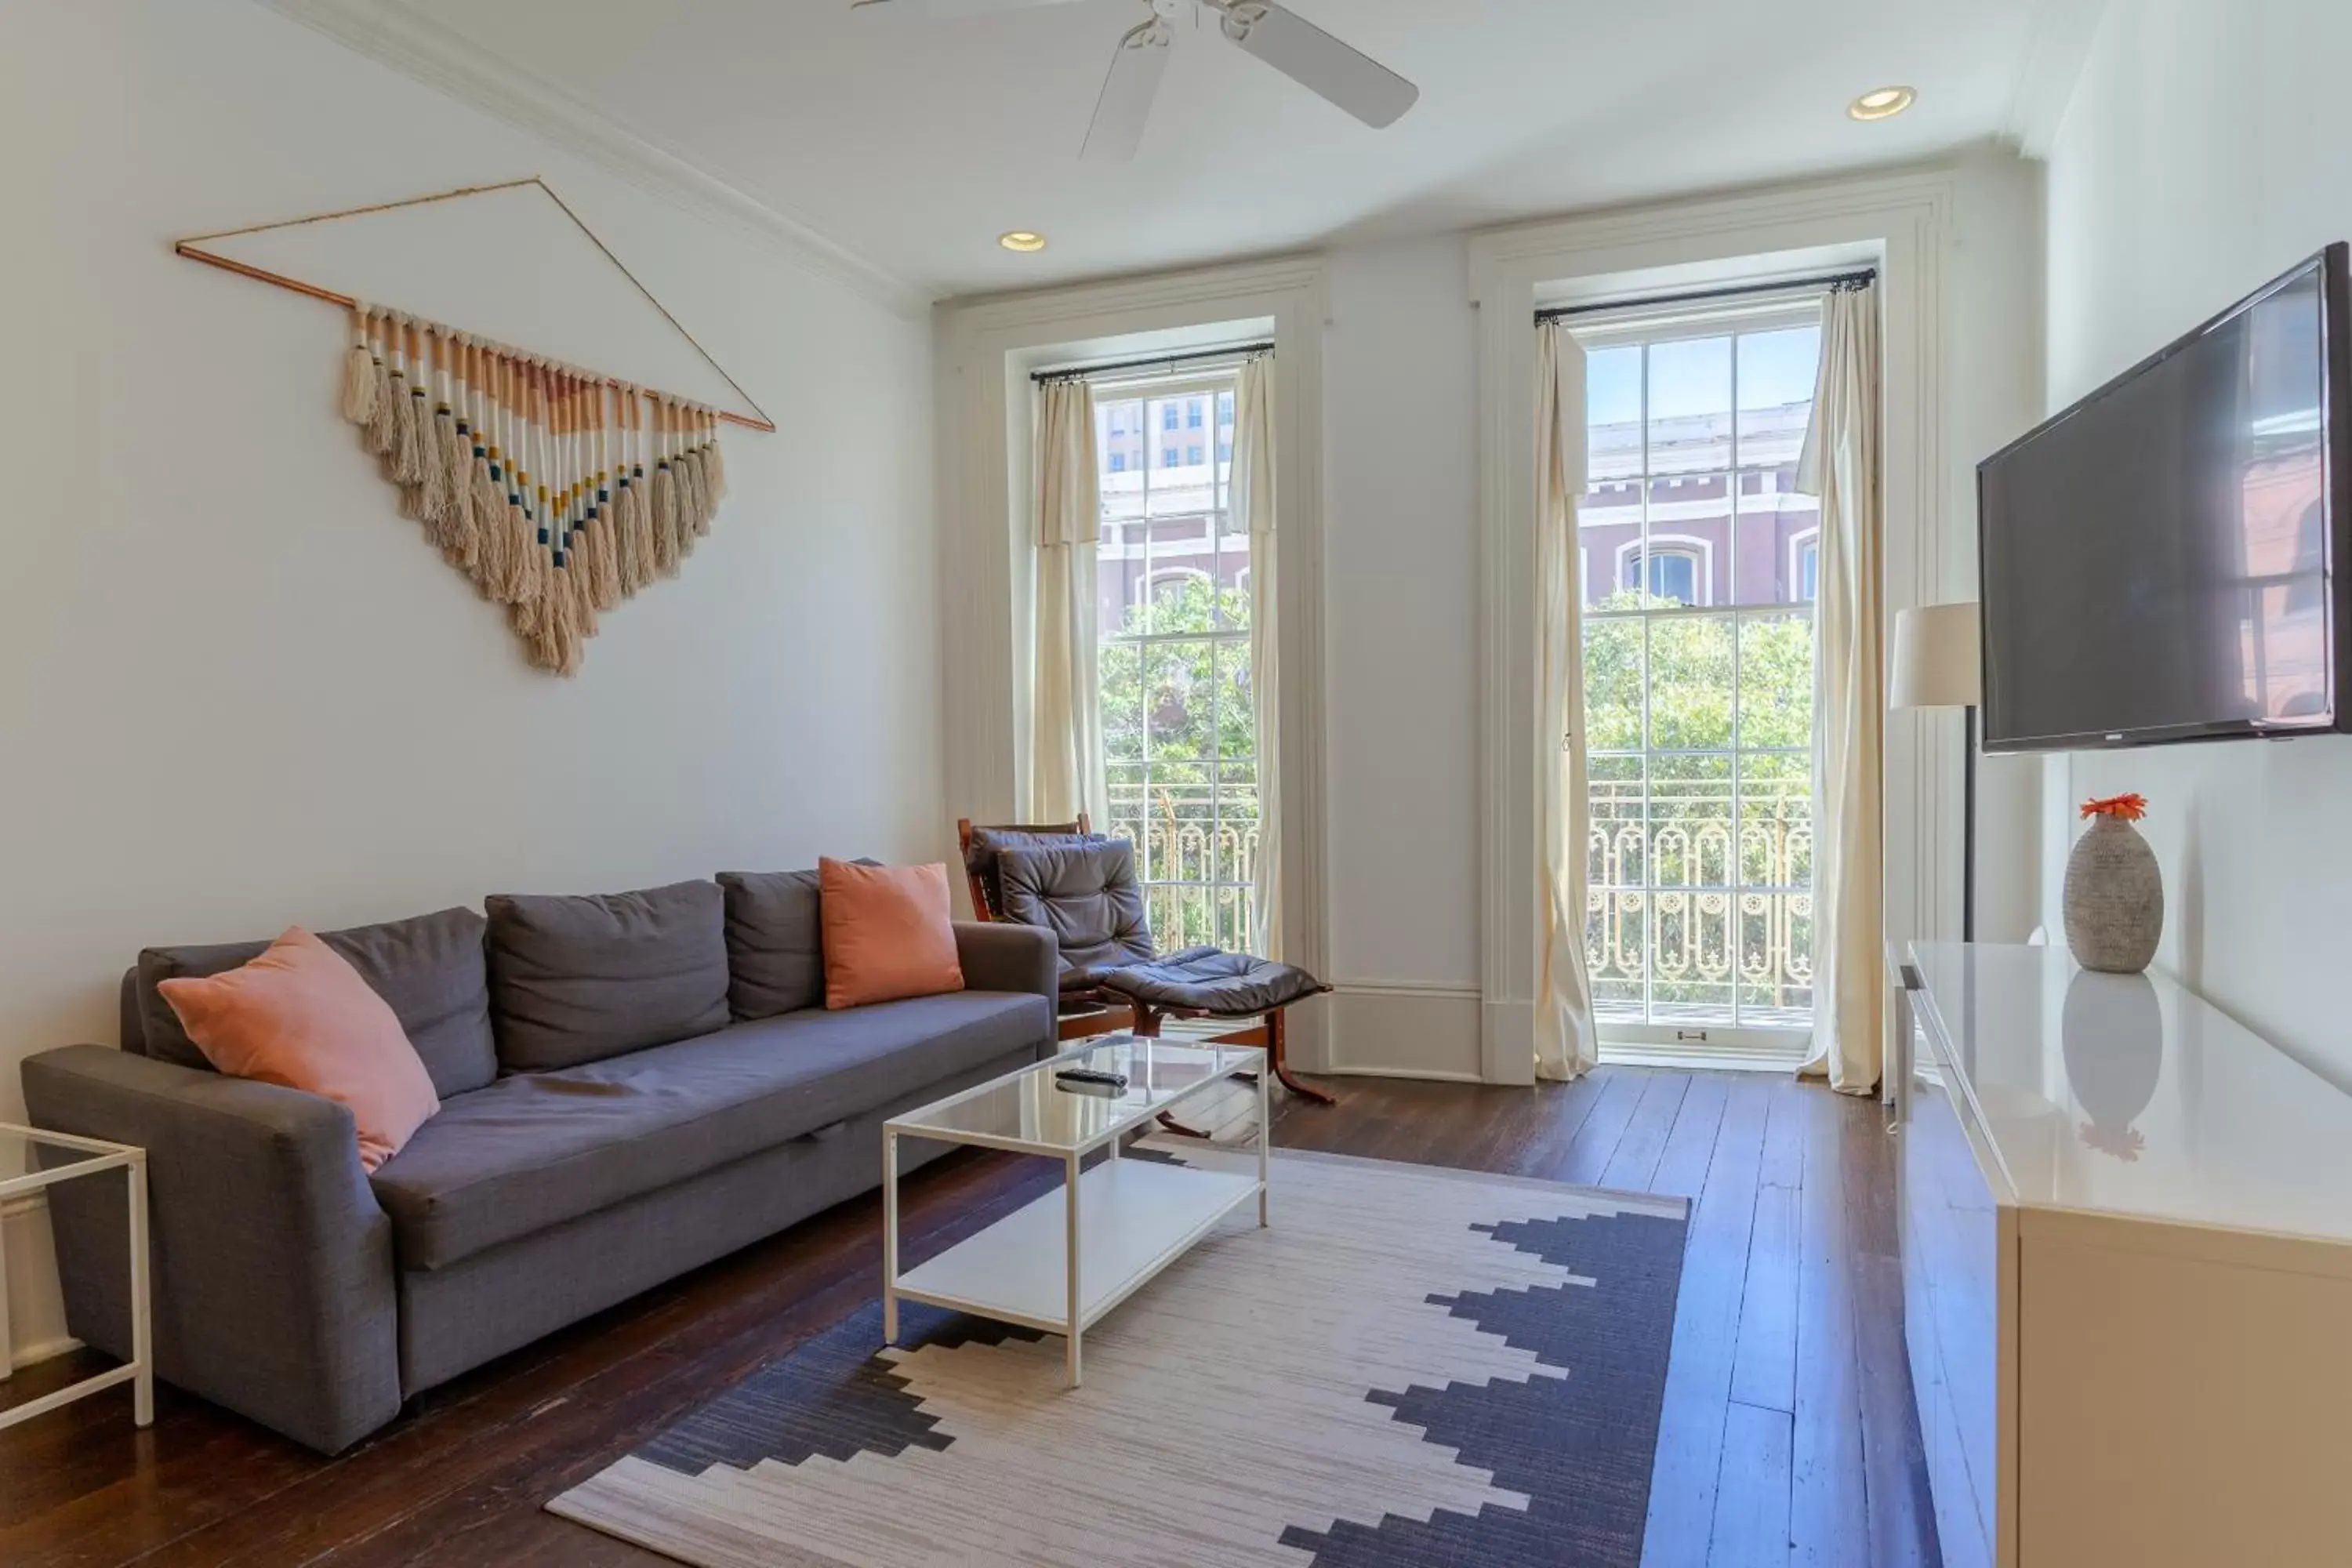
{"x":1274,"y":34}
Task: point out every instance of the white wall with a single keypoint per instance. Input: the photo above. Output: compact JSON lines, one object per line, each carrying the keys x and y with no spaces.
{"x":2209,"y":147}
{"x":1401,"y":585}
{"x":236,"y":691}
{"x":1400,"y":796}
{"x":1401,"y":573}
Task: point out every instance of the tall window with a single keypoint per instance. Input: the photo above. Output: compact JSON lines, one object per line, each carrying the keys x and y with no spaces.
{"x":1699,"y":674}
{"x":1179,"y":724}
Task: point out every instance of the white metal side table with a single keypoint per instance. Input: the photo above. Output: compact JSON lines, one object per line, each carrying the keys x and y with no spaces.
{"x":30,"y":1160}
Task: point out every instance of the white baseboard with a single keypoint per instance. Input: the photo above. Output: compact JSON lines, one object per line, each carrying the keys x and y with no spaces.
{"x":1405,"y":1030}
{"x":34,"y":1314}
{"x":25,"y":1355}
{"x":1426,"y":1074}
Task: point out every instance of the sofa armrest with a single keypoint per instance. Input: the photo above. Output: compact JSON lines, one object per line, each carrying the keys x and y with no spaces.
{"x":272,"y":1263}
{"x":999,"y":956}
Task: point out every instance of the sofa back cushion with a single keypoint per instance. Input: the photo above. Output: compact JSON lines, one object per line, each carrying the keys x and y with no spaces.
{"x":577,"y":980}
{"x":1085,"y":893}
{"x":775,"y":943}
{"x":429,"y":970}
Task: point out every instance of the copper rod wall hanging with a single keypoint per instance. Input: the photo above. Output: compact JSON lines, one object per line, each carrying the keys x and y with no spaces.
{"x":193,"y":248}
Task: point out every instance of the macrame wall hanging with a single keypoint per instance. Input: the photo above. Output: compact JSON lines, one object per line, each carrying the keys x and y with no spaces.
{"x":560,"y":491}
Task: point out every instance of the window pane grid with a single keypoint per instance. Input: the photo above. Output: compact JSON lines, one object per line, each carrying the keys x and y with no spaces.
{"x":1175,"y":640}
{"x":1700,"y":796}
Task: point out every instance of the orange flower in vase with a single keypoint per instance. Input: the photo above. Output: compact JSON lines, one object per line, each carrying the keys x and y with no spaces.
{"x":2114,"y":889}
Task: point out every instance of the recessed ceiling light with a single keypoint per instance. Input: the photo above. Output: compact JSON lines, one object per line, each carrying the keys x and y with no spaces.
{"x":1023,"y":240}
{"x":1881,"y":104}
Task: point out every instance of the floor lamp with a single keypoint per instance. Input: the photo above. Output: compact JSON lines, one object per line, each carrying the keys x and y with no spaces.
{"x":1937,"y":666}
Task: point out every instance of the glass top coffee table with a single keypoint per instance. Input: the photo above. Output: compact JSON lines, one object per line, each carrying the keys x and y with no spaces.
{"x":1063,"y":1261}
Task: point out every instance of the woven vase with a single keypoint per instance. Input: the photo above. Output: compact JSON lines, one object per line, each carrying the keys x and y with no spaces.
{"x":2114,"y":898}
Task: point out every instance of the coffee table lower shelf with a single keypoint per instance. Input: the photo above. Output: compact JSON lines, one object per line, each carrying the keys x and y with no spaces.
{"x":1134,"y":1217}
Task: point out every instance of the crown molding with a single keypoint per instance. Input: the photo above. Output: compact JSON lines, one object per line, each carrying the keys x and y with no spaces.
{"x":393,"y":36}
{"x":2056,"y":49}
{"x":1057,"y":303}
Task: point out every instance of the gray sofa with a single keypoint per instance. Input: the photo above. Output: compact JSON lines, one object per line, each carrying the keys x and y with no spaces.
{"x":631,"y":1085}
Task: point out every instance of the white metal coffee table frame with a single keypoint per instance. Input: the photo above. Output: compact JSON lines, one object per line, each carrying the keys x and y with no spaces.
{"x":985,"y":1273}
{"x":139,"y":1370}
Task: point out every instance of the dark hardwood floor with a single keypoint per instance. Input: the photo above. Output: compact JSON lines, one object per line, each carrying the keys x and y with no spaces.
{"x":1788,"y":1435}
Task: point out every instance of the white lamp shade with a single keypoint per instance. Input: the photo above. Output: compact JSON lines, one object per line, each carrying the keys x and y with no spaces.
{"x":1935,"y":659}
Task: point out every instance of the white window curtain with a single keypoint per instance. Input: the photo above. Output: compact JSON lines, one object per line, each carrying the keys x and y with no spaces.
{"x":1251,"y":501}
{"x":1841,"y":465}
{"x":1066,"y":768}
{"x":1566,"y":1045}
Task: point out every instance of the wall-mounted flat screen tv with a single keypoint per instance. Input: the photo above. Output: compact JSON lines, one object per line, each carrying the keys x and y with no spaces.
{"x":2164,"y":560}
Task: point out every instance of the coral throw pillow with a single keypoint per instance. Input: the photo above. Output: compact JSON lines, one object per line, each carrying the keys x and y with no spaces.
{"x":888,"y":934}
{"x":299,"y":1015}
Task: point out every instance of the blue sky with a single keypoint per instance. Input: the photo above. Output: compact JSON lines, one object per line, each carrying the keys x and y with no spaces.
{"x":1694,"y":376}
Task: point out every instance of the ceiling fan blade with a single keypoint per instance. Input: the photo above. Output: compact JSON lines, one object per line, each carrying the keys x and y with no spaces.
{"x":1126,"y":103}
{"x":935,"y":10}
{"x":1319,"y":62}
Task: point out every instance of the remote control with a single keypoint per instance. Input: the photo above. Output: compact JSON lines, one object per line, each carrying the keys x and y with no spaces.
{"x":1094,"y":1075}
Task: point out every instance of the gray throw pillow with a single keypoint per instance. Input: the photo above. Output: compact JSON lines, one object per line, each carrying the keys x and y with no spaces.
{"x":576,"y":980}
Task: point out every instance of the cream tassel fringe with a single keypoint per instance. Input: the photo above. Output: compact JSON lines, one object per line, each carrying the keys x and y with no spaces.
{"x":487,"y":504}
{"x":381,"y":433}
{"x":603,"y":533}
{"x":697,"y":468}
{"x":637,"y":518}
{"x":522,"y":552}
{"x":407,"y":457}
{"x":432,"y":450}
{"x":714,"y":466}
{"x":360,"y":373}
{"x":665,"y":498}
{"x":459,"y":540}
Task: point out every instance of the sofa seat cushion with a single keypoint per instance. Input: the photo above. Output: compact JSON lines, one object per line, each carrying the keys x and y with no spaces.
{"x":537,"y":1149}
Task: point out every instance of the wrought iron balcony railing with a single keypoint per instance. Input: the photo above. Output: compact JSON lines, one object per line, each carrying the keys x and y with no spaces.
{"x":1700,"y":901}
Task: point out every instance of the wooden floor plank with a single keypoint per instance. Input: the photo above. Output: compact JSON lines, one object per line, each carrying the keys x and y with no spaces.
{"x":1828,"y":1517}
{"x":1596,"y":1140}
{"x":1682,"y":1170}
{"x":1894,"y":1467}
{"x":1764,"y":1363}
{"x":462,"y":1477}
{"x":1752,"y":1507}
{"x":1706,"y":1328}
{"x":1634,"y":1162}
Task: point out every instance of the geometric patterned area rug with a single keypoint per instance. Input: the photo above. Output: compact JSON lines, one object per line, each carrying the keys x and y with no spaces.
{"x":1414,"y":1367}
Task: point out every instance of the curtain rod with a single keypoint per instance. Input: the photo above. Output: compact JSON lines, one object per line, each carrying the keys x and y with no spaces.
{"x":1088,"y":371}
{"x":1827,"y":281}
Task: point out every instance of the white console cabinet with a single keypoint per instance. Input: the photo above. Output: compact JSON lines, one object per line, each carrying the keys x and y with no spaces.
{"x":2127,"y":1233}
